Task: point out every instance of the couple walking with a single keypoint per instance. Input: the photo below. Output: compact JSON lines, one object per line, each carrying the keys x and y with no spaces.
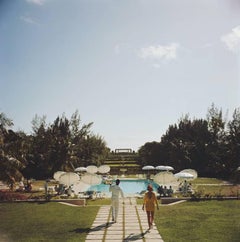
{"x":149,"y":202}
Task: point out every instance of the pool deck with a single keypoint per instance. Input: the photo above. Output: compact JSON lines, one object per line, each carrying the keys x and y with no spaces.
{"x":131,"y":225}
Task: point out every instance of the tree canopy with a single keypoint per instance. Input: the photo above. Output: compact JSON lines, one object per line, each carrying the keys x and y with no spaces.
{"x":211,"y":146}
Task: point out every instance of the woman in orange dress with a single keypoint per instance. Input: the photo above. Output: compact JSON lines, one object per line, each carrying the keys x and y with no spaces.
{"x":149,"y":202}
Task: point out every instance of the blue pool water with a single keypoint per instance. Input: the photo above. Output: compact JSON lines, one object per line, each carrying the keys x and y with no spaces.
{"x":128,"y":186}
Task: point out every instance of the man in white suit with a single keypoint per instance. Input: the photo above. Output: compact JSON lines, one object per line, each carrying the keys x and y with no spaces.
{"x":116,"y":191}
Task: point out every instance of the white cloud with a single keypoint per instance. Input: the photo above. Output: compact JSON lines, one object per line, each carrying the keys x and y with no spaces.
{"x":232,"y":39}
{"x":167,"y":52}
{"x":37,"y":2}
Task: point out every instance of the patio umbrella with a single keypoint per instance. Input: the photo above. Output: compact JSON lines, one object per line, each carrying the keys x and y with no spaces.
{"x":184,"y":175}
{"x":148,"y":168}
{"x":92,"y":169}
{"x":104,"y":169}
{"x":164,"y":178}
{"x":91,"y":179}
{"x":190,"y":171}
{"x":81,"y":169}
{"x":57,"y":174}
{"x":68,"y":178}
{"x":80,"y":186}
{"x":164,"y":168}
{"x":169,"y":168}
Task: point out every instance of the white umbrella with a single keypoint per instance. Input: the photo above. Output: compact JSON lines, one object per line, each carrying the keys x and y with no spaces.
{"x":164,"y":168}
{"x":104,"y":169}
{"x":91,"y":179}
{"x":81,"y":169}
{"x":190,"y":171}
{"x":169,"y":168}
{"x":68,"y":178}
{"x":184,"y":175}
{"x":80,"y":186}
{"x":148,"y":168}
{"x":92,"y":169}
{"x":164,"y":178}
{"x":57,"y":174}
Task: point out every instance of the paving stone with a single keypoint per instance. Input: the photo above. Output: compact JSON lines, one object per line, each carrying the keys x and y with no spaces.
{"x":95,"y":240}
{"x":113,"y":232}
{"x":113,"y":240}
{"x":131,"y":230}
{"x":97,"y":226}
{"x":115,"y":229}
{"x":112,"y":237}
{"x":94,"y":236}
{"x":133,"y":237}
{"x":97,"y":232}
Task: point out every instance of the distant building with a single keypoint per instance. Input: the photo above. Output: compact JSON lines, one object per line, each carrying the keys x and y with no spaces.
{"x":125,"y":150}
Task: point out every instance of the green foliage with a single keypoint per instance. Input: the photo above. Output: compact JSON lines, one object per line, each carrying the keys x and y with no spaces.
{"x":210,"y":146}
{"x":63,"y":146}
{"x":11,"y":196}
{"x":204,"y":221}
{"x":46,"y":221}
{"x":12,"y":151}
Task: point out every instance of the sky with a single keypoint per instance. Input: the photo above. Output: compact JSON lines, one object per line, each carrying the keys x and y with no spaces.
{"x":132,"y":67}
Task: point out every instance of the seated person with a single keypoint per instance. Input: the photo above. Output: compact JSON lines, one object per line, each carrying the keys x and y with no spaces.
{"x":170,"y":191}
{"x":160,"y":190}
{"x":28,"y":187}
{"x":165,"y":191}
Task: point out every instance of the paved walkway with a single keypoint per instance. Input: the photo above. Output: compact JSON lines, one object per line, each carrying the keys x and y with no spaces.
{"x":131,"y":225}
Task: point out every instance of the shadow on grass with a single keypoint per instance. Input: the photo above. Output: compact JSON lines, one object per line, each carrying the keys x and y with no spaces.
{"x":81,"y":230}
{"x":88,"y":230}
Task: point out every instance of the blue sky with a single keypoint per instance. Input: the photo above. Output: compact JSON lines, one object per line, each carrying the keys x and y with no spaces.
{"x":132,"y":67}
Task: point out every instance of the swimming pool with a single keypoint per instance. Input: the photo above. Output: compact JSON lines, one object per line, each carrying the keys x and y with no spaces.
{"x":129,"y":187}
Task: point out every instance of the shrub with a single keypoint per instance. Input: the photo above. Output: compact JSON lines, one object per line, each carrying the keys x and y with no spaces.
{"x":11,"y":196}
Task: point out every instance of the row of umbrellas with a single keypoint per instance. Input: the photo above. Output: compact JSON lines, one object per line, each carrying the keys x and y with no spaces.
{"x":86,"y":180}
{"x":89,"y":178}
{"x":77,"y":183}
{"x":167,"y":177}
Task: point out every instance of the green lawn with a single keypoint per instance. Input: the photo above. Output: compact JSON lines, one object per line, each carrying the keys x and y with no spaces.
{"x":30,"y":222}
{"x":205,"y":180}
{"x":211,"y":221}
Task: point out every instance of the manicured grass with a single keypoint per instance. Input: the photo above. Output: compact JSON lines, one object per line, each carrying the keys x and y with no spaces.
{"x":189,"y":221}
{"x":217,"y":190}
{"x":25,"y":222}
{"x":211,"y":221}
{"x":99,"y":202}
{"x":205,"y":180}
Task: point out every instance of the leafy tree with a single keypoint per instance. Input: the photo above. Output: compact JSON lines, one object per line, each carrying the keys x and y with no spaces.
{"x":150,"y":153}
{"x":233,"y":143}
{"x":11,"y":151}
{"x":217,"y":148}
{"x":64,"y":145}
